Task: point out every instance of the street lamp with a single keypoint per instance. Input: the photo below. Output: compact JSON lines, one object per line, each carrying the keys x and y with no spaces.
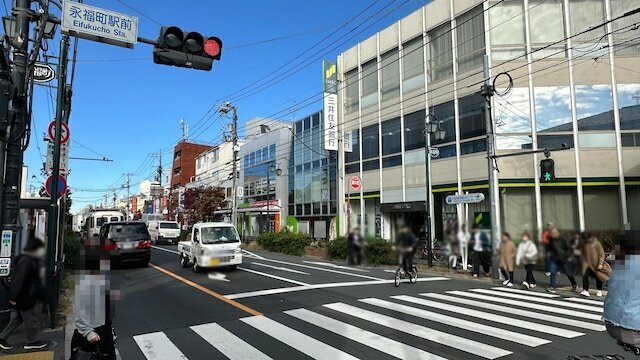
{"x":433,"y":127}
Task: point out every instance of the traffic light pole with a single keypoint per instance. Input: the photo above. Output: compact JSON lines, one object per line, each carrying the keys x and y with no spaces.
{"x":234,"y":134}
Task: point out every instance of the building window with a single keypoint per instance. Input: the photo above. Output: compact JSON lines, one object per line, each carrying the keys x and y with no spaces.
{"x":352,"y":100}
{"x":629,"y":106}
{"x":316,"y":120}
{"x":470,"y":38}
{"x":594,"y":104}
{"x":630,"y":139}
{"x":299,"y":127}
{"x":370,"y":145}
{"x":413,"y":65}
{"x":370,"y":165}
{"x":369,"y":83}
{"x":391,"y":142}
{"x":414,"y":130}
{"x":392,"y":161}
{"x":474,"y":146}
{"x":352,"y":168}
{"x":554,"y":141}
{"x":446,"y":114}
{"x":471,"y":110}
{"x":177,"y":155}
{"x":447,"y":151}
{"x":585,"y":14}
{"x":629,"y":43}
{"x":440,"y":54}
{"x":355,"y":145}
{"x":177,"y":171}
{"x":553,"y":110}
{"x":547,"y":26}
{"x":507,"y":30}
{"x":390,"y":68}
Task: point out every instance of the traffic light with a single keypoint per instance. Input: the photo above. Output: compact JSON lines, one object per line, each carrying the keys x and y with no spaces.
{"x":547,"y":171}
{"x":186,"y":49}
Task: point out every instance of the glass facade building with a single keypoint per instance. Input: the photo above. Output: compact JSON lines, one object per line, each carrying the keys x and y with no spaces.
{"x":570,"y":86}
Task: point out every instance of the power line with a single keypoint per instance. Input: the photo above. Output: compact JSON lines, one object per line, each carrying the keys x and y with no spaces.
{"x":139,"y":12}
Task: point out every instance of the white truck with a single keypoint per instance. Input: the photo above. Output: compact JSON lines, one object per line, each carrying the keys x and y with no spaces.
{"x":164,"y":231}
{"x":210,"y":245}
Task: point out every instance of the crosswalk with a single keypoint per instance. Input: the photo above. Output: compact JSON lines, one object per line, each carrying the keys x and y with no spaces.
{"x":489,"y":323}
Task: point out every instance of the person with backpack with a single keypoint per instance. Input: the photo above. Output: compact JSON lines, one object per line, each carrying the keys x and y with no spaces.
{"x":527,"y":255}
{"x":593,"y":264}
{"x":25,"y":291}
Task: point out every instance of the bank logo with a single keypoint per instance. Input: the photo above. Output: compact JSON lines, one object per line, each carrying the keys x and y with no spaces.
{"x":330,"y":71}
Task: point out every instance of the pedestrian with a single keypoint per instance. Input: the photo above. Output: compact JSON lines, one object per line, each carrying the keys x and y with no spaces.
{"x":576,"y":245}
{"x":463,"y":245}
{"x":507,"y":259}
{"x":622,"y":305}
{"x":481,"y":251}
{"x":453,"y":249}
{"x":593,"y":264}
{"x":546,"y":234}
{"x":527,"y":255}
{"x":560,"y":254}
{"x":25,"y":291}
{"x":355,"y":245}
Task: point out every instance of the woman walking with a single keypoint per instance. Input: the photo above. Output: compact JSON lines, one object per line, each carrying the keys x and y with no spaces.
{"x":507,"y":259}
{"x":593,"y":264}
{"x":527,"y":254}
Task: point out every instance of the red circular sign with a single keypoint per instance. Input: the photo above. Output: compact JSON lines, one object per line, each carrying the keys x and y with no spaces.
{"x":355,"y":183}
{"x":64,"y":137}
{"x":62,"y":185}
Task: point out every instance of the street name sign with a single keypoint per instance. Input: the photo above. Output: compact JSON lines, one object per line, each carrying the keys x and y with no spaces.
{"x":465,"y":199}
{"x":43,"y":73}
{"x":101,"y":25}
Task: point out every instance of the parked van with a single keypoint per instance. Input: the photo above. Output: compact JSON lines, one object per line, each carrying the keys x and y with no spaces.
{"x":164,"y":231}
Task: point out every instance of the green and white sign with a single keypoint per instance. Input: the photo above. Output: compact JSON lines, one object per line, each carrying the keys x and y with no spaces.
{"x":5,"y":246}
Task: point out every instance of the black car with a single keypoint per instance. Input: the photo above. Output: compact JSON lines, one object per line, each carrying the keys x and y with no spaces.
{"x":128,"y":241}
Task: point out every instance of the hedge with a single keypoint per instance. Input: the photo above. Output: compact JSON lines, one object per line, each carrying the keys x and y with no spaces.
{"x":377,"y":251}
{"x":284,"y":242}
{"x":71,"y":249}
{"x":337,"y":248}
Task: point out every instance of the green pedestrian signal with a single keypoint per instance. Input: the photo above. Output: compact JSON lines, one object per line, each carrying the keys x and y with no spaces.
{"x":547,"y":170}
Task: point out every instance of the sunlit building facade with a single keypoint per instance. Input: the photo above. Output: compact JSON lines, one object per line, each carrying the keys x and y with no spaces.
{"x":571,"y":86}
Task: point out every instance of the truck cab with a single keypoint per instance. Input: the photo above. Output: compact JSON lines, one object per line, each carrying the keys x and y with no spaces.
{"x":164,"y":231}
{"x":211,"y":245}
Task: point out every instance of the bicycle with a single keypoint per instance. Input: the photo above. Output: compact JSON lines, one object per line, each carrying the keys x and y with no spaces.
{"x":423,"y":251}
{"x":402,"y":275}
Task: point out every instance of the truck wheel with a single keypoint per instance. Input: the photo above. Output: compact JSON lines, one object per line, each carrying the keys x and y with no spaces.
{"x":196,"y":267}
{"x":184,"y":262}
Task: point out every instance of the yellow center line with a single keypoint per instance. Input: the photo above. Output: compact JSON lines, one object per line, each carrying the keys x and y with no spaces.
{"x":208,"y":291}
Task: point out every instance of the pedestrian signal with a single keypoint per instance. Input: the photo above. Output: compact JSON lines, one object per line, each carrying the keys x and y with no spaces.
{"x":547,"y":171}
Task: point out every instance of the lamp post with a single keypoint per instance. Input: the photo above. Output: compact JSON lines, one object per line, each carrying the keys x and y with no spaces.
{"x":432,"y":126}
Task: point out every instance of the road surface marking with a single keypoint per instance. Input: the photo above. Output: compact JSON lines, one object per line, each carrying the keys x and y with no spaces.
{"x":586,"y":301}
{"x":529,"y":305}
{"x":372,"y":340}
{"x":469,"y":346}
{"x":529,"y":292}
{"x":322,"y":269}
{"x":493,"y":331}
{"x":297,"y":340}
{"x":492,"y":317}
{"x":157,"y":346}
{"x":281,"y":268}
{"x":333,"y":265}
{"x":253,"y":254}
{"x":319,"y":286}
{"x":217,"y":276}
{"x":544,"y":301}
{"x":167,"y":250}
{"x":519,"y":312}
{"x":272,"y":276}
{"x":208,"y":291}
{"x":390,"y":271}
{"x":227,"y":343}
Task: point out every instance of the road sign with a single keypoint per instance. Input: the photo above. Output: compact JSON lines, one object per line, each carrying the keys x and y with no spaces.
{"x":5,"y":265}
{"x":465,"y":199}
{"x":43,"y":73}
{"x":64,"y":137}
{"x":64,"y":158}
{"x":62,"y":185}
{"x":434,"y":152}
{"x":5,"y":246}
{"x":355,"y":183}
{"x":105,"y":26}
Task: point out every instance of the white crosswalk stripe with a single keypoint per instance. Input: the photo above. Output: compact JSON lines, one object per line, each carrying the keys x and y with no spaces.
{"x":540,"y":300}
{"x":586,"y":301}
{"x":381,"y":326}
{"x":528,"y":292}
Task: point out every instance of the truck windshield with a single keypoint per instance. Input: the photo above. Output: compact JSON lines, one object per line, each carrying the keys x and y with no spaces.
{"x":215,"y":235}
{"x":168,"y":226}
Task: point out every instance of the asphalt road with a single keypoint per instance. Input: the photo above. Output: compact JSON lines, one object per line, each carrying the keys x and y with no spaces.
{"x":283,"y":307}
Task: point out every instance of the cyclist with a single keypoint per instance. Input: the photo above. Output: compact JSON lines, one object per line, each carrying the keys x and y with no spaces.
{"x":406,"y":243}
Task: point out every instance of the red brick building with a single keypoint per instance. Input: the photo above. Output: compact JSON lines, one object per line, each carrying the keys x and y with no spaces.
{"x":184,"y":162}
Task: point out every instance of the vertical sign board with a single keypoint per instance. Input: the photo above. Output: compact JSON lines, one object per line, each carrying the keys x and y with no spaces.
{"x":347,"y":141}
{"x":330,"y":104}
{"x":5,"y":246}
{"x":101,"y":25}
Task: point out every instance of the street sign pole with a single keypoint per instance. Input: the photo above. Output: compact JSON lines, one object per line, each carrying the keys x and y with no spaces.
{"x":53,"y":223}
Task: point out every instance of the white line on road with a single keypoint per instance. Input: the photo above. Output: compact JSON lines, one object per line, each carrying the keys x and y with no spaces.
{"x":493,"y":331}
{"x":157,"y":346}
{"x":253,"y":254}
{"x":217,"y":276}
{"x":333,"y":265}
{"x":492,"y":317}
{"x":167,"y":250}
{"x":373,"y":340}
{"x":530,"y":305}
{"x":273,"y":276}
{"x":322,"y":269}
{"x":467,"y":345}
{"x":586,"y":301}
{"x":544,"y":301}
{"x":528,"y":292}
{"x":297,"y":340}
{"x":281,"y":268}
{"x":514,"y":311}
{"x":319,"y":286}
{"x":227,"y":343}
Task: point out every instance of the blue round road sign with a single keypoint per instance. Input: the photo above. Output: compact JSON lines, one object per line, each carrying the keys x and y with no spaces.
{"x":62,"y":185}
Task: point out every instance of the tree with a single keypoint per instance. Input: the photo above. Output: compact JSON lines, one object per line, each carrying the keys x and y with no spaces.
{"x":201,"y":203}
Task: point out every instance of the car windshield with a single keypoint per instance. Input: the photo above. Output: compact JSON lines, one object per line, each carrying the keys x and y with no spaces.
{"x":168,"y":226}
{"x":214,"y":235}
{"x":128,"y":231}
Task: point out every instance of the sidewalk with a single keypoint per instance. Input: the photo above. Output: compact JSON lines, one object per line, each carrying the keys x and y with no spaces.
{"x":55,"y":338}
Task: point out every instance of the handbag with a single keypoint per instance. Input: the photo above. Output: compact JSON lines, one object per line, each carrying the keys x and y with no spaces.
{"x":96,"y":354}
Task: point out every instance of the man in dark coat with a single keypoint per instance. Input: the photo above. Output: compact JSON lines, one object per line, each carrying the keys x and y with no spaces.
{"x":406,"y":243}
{"x":25,"y":291}
{"x":560,"y":254}
{"x":355,"y":245}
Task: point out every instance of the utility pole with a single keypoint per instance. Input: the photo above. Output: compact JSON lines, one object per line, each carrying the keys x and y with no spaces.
{"x":224,"y":109}
{"x":127,"y":184}
{"x":487,"y":91}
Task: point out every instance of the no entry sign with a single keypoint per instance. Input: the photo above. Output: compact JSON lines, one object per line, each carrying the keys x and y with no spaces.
{"x":355,"y":183}
{"x":64,"y":137}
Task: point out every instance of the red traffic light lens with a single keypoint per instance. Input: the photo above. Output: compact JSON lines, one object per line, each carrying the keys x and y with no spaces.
{"x":213,"y":46}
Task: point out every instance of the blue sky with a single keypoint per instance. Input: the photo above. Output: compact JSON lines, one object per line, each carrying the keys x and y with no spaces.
{"x":125,"y":107}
